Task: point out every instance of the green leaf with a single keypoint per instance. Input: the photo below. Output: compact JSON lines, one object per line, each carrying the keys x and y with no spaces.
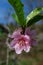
{"x":34,"y":16}
{"x":18,"y":7}
{"x":35,"y":19}
{"x":15,"y":17}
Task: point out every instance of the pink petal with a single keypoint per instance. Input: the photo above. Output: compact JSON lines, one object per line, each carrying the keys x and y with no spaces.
{"x":27,"y":48}
{"x":33,"y":34}
{"x":27,"y":31}
{"x":18,"y":50}
{"x":16,"y":33}
{"x":13,"y":42}
{"x":27,"y":37}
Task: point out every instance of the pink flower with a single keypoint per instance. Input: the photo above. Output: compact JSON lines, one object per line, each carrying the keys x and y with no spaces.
{"x":20,"y":42}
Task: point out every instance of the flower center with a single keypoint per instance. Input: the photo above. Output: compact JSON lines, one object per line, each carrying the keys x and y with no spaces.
{"x":21,"y":41}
